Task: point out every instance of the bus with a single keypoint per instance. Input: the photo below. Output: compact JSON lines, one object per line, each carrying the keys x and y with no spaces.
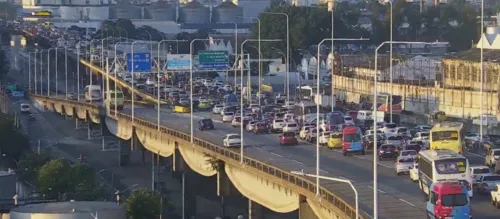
{"x":305,"y":110}
{"x":308,"y":92}
{"x":447,"y":136}
{"x":92,"y":93}
{"x":383,"y":102}
{"x":443,"y":165}
{"x":333,"y":121}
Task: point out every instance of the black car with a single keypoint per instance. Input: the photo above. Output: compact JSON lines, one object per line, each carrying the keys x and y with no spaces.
{"x":31,"y":117}
{"x":206,"y":124}
{"x":368,"y":141}
{"x":387,"y":151}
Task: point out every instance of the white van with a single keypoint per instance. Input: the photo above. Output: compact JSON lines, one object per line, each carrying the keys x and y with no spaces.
{"x":93,"y":93}
{"x":115,"y":97}
{"x":364,"y":115}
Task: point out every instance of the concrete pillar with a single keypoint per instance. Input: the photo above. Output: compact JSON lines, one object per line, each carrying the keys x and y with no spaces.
{"x":224,"y":185}
{"x":305,"y":211}
{"x":255,"y":211}
{"x":190,"y":193}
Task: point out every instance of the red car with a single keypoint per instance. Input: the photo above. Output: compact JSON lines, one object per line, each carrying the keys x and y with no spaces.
{"x":288,"y":138}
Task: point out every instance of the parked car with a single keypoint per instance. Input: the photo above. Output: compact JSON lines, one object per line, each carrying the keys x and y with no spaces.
{"x":288,"y":138}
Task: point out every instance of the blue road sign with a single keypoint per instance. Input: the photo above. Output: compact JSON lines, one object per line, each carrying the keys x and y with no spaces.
{"x":142,"y":62}
{"x":18,"y":93}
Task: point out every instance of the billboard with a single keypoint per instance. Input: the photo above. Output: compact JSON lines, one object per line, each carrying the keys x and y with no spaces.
{"x":142,"y":62}
{"x":214,"y":60}
{"x":178,"y":62}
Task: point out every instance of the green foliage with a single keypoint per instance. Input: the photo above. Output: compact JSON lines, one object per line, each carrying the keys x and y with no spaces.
{"x":29,"y":165}
{"x":13,"y":143}
{"x":184,"y":47}
{"x":143,"y":204}
{"x":58,"y":177}
{"x":214,"y":163}
{"x":4,"y":64}
{"x":144,"y":32}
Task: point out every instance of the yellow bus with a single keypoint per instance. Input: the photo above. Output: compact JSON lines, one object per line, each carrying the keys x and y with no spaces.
{"x":447,"y":136}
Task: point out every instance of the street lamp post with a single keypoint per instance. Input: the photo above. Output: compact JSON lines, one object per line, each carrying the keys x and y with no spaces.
{"x":158,"y":78}
{"x":317,"y":104}
{"x":133,"y":90}
{"x":78,"y":68}
{"x":29,"y":72}
{"x":260,"y":63}
{"x":356,"y":200}
{"x":390,"y":61}
{"x":35,"y":85}
{"x":248,"y":90}
{"x":375,"y":81}
{"x":482,"y":73}
{"x":287,"y":75}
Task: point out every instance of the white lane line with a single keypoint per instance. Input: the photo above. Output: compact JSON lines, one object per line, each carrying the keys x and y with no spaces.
{"x":324,"y":171}
{"x":275,"y":154}
{"x":378,"y":162}
{"x":381,"y":191}
{"x":477,"y":155}
{"x":296,"y":161}
{"x":260,"y":149}
{"x":407,"y":202}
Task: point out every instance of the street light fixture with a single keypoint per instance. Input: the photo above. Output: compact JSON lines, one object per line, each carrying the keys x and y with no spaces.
{"x":375,"y":109}
{"x":248,"y":90}
{"x":301,"y":173}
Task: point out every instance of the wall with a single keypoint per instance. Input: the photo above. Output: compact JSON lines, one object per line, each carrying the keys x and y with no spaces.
{"x":457,"y":103}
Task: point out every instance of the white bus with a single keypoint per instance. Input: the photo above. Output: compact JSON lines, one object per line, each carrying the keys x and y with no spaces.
{"x":93,"y":93}
{"x":443,"y":165}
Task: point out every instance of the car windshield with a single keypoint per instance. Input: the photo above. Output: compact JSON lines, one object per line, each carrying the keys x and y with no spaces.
{"x":481,"y":170}
{"x":406,"y":160}
{"x":278,"y":121}
{"x":387,"y":147}
{"x":25,"y":106}
{"x":394,"y":138}
{"x":454,"y":200}
{"x":352,"y":138}
{"x":424,"y":134}
{"x":234,"y":137}
{"x":347,"y":118}
{"x":207,"y":121}
{"x":291,"y":125}
{"x":390,"y":125}
{"x":408,"y":153}
{"x":402,"y":130}
{"x":491,"y":178}
{"x":336,"y":135}
{"x":228,"y":114}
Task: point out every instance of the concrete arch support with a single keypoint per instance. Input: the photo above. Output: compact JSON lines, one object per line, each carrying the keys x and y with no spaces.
{"x":320,"y":211}
{"x":155,"y":142}
{"x":70,"y":110}
{"x":58,"y":107}
{"x":197,"y":161}
{"x":121,"y":129}
{"x":268,"y":194}
{"x":49,"y":106}
{"x":94,"y":117}
{"x":81,"y":113}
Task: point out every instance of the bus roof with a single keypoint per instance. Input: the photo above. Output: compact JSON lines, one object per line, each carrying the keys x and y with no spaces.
{"x":448,"y":125}
{"x":448,"y":187}
{"x":439,"y":154}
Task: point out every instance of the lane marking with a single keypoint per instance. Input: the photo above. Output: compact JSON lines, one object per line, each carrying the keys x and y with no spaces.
{"x":407,"y":202}
{"x":324,"y":171}
{"x":296,"y":161}
{"x":379,"y":190}
{"x":260,"y":149}
{"x":275,"y":154}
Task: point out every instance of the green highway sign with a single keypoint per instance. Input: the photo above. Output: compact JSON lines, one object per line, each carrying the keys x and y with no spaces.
{"x":213,"y":60}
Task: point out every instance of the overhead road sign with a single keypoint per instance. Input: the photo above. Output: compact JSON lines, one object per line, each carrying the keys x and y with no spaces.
{"x":178,"y":62}
{"x":142,"y":62}
{"x":214,"y":60}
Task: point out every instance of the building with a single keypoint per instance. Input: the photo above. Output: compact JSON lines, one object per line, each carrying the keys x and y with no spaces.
{"x":69,"y":210}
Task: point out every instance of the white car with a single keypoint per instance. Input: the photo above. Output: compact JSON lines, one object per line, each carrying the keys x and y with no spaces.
{"x":312,"y":134}
{"x":408,"y":153}
{"x":127,"y":78}
{"x":348,"y":120}
{"x":495,"y":195}
{"x":278,"y":125}
{"x":25,"y":108}
{"x":250,"y":126}
{"x":403,"y":131}
{"x":217,"y":109}
{"x":324,"y":137}
{"x":236,"y":121}
{"x":184,"y":102}
{"x":477,"y":171}
{"x":150,"y":81}
{"x":388,"y":128}
{"x":303,"y":131}
{"x":421,"y":136}
{"x":291,"y":127}
{"x":414,"y":173}
{"x":403,"y":165}
{"x":232,"y":140}
{"x":227,"y":117}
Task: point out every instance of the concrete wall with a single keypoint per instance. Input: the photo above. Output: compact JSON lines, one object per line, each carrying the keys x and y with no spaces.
{"x":456,"y":103}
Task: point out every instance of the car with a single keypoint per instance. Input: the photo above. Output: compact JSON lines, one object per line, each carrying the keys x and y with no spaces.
{"x":204,"y":105}
{"x":291,"y":127}
{"x":403,"y":164}
{"x":304,"y":130}
{"x":277,"y":125}
{"x":348,"y":120}
{"x":414,"y":147}
{"x":403,"y":131}
{"x":394,"y":140}
{"x":324,"y":137}
{"x":414,"y":172}
{"x":408,"y":153}
{"x":231,"y":140}
{"x":288,"y":138}
{"x":477,"y":171}
{"x":25,"y":108}
{"x":236,"y":121}
{"x":486,"y":183}
{"x":250,"y":126}
{"x":368,"y":141}
{"x":260,"y":128}
{"x":227,"y":117}
{"x":387,"y":151}
{"x":495,"y":196}
{"x":335,"y":140}
{"x":492,"y":155}
{"x":312,"y":135}
{"x":72,"y":96}
{"x":31,"y":117}
{"x":206,"y":124}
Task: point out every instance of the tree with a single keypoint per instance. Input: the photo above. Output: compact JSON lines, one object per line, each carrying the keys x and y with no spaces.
{"x":144,"y":32}
{"x":128,"y":26}
{"x":4,"y":64}
{"x":143,"y":204}
{"x":13,"y":142}
{"x":30,"y":164}
{"x":54,"y":178}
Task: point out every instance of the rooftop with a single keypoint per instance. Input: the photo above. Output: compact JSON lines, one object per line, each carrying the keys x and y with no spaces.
{"x":475,"y":54}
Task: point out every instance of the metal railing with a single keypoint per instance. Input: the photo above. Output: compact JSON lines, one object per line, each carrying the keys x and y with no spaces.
{"x":299,"y":183}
